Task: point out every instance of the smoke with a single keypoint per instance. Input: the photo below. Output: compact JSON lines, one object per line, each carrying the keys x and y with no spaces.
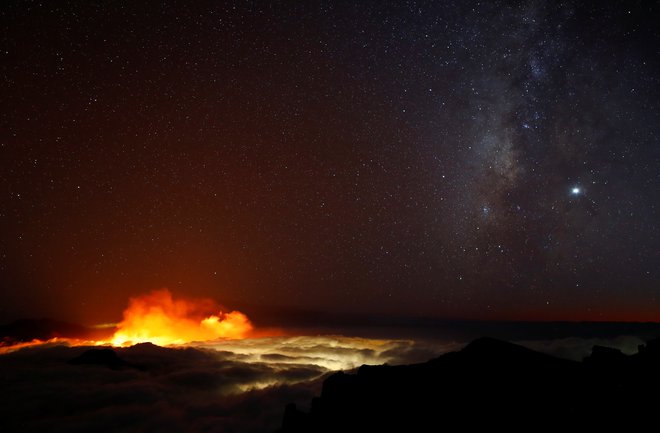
{"x":160,"y":319}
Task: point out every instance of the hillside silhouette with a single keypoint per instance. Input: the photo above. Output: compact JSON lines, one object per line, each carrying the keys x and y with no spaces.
{"x":489,"y":384}
{"x":103,"y":357}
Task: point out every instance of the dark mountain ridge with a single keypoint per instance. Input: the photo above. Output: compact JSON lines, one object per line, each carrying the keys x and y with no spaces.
{"x":489,"y":384}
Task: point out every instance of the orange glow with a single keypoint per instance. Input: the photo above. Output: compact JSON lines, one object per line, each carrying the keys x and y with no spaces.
{"x":160,"y":319}
{"x":56,"y":341}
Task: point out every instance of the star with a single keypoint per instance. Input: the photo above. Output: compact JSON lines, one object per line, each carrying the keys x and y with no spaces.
{"x":576,"y":190}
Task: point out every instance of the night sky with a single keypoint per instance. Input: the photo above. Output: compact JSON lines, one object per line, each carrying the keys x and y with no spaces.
{"x":455,"y":159}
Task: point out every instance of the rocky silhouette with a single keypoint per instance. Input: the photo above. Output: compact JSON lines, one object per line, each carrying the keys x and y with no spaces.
{"x":487,"y":386}
{"x":102,"y":357}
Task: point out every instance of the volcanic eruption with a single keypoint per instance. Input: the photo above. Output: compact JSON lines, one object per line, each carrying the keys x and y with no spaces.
{"x":160,"y":319}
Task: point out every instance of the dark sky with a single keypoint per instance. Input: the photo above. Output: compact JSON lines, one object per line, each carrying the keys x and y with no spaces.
{"x":494,"y":160}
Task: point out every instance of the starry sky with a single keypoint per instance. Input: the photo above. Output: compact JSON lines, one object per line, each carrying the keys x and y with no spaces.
{"x":455,"y":159}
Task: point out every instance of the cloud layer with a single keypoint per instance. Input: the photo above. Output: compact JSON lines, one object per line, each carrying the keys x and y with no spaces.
{"x":230,"y":386}
{"x":221,"y":386}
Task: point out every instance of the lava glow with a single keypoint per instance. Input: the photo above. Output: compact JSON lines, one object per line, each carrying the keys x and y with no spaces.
{"x":160,"y":319}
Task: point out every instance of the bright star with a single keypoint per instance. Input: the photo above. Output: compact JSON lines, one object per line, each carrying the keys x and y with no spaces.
{"x":575,"y":190}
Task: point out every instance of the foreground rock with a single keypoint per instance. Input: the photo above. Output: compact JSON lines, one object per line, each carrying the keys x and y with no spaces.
{"x":488,"y":385}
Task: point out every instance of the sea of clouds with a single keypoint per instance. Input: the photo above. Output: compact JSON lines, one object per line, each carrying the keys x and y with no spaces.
{"x":220,"y":386}
{"x":223,"y":386}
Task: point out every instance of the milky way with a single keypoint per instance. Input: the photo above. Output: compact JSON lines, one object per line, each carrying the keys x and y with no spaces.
{"x":449,"y":159}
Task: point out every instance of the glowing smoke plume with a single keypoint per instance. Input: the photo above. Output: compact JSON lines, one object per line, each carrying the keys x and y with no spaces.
{"x":160,"y":319}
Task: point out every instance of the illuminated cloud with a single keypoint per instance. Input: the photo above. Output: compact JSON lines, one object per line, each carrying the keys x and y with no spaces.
{"x":234,"y":385}
{"x":231,"y":385}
